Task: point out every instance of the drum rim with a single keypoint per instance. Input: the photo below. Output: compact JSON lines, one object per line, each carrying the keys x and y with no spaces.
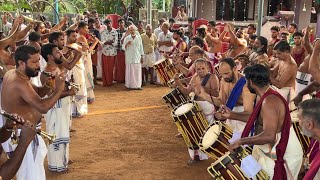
{"x":205,"y":131}
{"x":160,"y":61}
{"x":225,"y":160}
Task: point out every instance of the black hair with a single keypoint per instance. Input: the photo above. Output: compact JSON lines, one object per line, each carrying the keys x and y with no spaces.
{"x":253,"y":36}
{"x":82,"y":24}
{"x":179,"y":32}
{"x":161,"y":20}
{"x":298,"y":33}
{"x":107,"y":21}
{"x":70,"y":31}
{"x":23,"y":53}
{"x":191,"y":19}
{"x":212,"y":23}
{"x":171,"y":20}
{"x":34,"y":36}
{"x":91,"y":20}
{"x":229,"y":61}
{"x":282,"y":46}
{"x":199,"y":41}
{"x":264,"y":42}
{"x":253,"y":26}
{"x":47,"y":50}
{"x":202,"y":32}
{"x":120,"y":20}
{"x":311,"y":109}
{"x":244,"y":57}
{"x":54,"y":36}
{"x":294,"y":25}
{"x":258,"y":74}
{"x":275,"y":28}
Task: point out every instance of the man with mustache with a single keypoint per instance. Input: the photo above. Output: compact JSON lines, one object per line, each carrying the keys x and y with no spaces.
{"x":58,"y":117}
{"x":259,"y":55}
{"x":309,"y":120}
{"x":283,"y":75}
{"x":276,"y":146}
{"x":274,"y":39}
{"x":28,"y":101}
{"x":233,"y":92}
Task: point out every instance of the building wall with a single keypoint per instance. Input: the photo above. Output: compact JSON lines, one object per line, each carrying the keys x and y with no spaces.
{"x":207,"y":9}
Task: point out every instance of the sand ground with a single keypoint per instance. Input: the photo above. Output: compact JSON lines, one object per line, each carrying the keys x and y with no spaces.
{"x":129,"y":135}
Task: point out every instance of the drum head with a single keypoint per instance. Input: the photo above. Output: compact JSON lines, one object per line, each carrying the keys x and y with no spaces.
{"x":211,"y":136}
{"x":159,"y":61}
{"x":183,"y":109}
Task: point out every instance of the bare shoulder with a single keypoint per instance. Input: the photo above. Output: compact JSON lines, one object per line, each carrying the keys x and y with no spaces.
{"x":273,"y":103}
{"x":82,"y":39}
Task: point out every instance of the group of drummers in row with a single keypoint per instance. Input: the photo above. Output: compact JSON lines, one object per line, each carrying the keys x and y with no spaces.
{"x":242,"y":119}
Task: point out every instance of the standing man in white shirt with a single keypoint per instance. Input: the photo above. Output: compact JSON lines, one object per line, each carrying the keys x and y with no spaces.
{"x":165,"y":42}
{"x":134,"y":57}
{"x":157,"y":31}
{"x":109,"y":37}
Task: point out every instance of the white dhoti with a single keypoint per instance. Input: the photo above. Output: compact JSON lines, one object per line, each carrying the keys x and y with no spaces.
{"x":285,"y":92}
{"x":293,"y":157}
{"x":208,"y":110}
{"x":89,"y":76}
{"x":31,"y":167}
{"x":80,"y":106}
{"x":302,"y":81}
{"x":133,"y":75}
{"x":236,"y":126}
{"x":148,"y":60}
{"x":99,"y":64}
{"x":57,"y":122}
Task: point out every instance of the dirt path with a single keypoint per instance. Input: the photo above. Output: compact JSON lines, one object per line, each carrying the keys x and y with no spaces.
{"x":129,"y":135}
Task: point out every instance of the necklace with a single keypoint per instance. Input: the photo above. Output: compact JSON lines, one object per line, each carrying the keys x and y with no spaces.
{"x":22,"y":74}
{"x":307,"y":165}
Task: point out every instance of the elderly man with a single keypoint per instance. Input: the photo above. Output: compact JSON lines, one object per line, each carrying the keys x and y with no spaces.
{"x":309,"y":120}
{"x":133,"y":47}
{"x":149,"y":41}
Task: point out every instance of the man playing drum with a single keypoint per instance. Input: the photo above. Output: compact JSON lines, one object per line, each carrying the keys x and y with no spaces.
{"x":276,"y":146}
{"x":233,"y":92}
{"x":210,"y":84}
{"x":310,"y":126}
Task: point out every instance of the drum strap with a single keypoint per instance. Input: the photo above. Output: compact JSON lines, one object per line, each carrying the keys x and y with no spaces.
{"x":205,"y":79}
{"x":235,"y":93}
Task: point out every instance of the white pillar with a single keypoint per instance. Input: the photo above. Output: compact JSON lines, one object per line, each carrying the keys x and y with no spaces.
{"x":149,"y":12}
{"x":164,"y":5}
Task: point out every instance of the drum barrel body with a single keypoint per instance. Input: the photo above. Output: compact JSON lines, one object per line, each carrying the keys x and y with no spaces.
{"x":220,"y":146}
{"x":165,"y":70}
{"x":191,"y":125}
{"x":174,"y":98}
{"x":227,"y":168}
{"x":304,"y":140}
